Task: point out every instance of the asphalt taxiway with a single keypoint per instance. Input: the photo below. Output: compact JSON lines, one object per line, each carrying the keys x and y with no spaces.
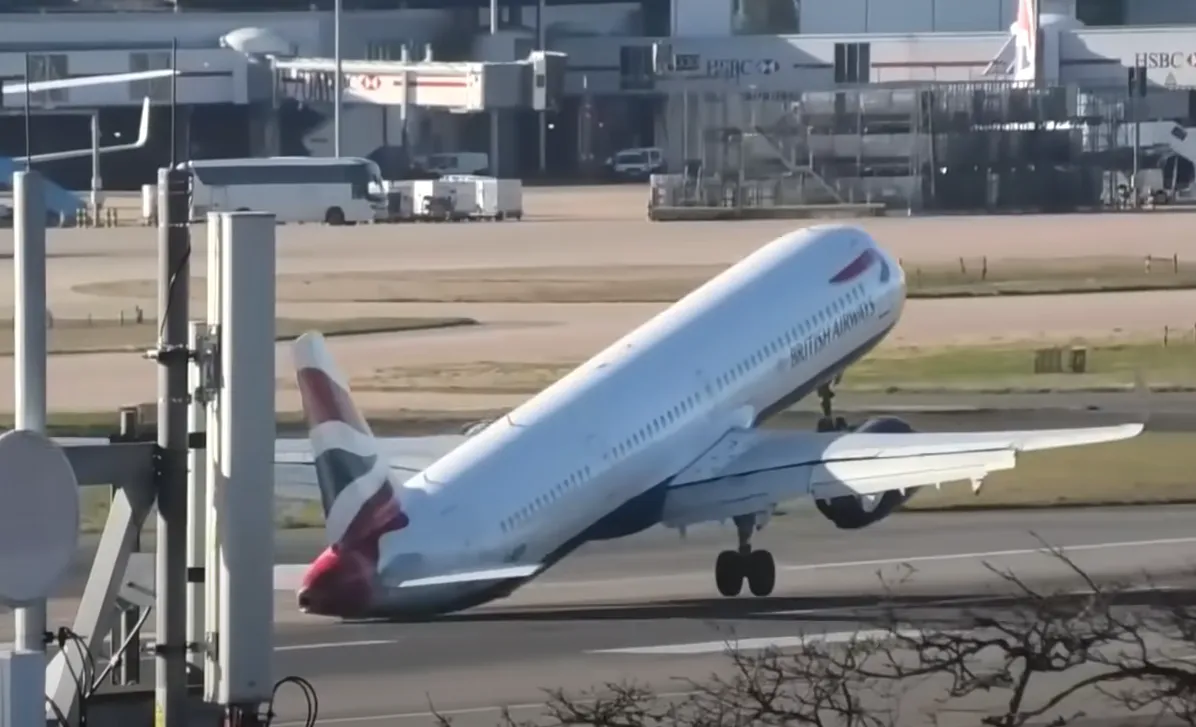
{"x":644,"y":607}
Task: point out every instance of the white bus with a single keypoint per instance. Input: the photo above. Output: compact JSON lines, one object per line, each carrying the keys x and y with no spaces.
{"x":295,"y":189}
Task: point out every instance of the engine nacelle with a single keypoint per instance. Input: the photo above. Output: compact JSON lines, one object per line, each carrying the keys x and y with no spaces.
{"x":473,"y":428}
{"x":850,"y":512}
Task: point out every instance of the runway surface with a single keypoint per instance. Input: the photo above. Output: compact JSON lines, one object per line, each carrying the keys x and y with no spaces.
{"x":644,"y":607}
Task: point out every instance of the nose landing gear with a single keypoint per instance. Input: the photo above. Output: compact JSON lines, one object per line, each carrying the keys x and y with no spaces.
{"x":829,"y":422}
{"x":757,"y":567}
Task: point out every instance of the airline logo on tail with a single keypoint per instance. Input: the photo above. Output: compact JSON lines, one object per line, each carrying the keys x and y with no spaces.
{"x":360,"y":502}
{"x":1025,"y":32}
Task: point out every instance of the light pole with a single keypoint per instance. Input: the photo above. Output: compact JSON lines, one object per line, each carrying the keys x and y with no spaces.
{"x":337,"y":90}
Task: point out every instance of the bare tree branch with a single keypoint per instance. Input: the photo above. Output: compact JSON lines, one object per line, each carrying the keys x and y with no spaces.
{"x":1029,"y":655}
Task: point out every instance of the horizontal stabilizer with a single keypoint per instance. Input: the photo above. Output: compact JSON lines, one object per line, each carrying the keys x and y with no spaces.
{"x":493,"y":574}
{"x":289,"y":577}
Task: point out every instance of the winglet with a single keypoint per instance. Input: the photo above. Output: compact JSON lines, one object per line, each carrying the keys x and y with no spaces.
{"x":1143,"y":395}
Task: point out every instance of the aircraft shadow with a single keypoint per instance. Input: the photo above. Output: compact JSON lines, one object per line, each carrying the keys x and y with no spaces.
{"x":854,"y":609}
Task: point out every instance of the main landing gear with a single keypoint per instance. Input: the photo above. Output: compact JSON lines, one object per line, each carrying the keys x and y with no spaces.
{"x":757,"y":567}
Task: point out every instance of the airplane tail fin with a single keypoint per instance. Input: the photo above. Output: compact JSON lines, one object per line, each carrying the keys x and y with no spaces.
{"x":359,"y":500}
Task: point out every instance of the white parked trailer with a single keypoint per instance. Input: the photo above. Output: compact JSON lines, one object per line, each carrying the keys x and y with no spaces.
{"x":493,"y":198}
{"x":337,"y":191}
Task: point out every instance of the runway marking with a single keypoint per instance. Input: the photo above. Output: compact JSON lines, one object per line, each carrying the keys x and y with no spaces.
{"x":881,"y":561}
{"x":459,"y":712}
{"x":991,"y":554}
{"x":756,"y":644}
{"x":957,"y":601}
{"x":335,"y":645}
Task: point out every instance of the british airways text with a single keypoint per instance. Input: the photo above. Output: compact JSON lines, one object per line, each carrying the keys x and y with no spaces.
{"x":844,"y":324}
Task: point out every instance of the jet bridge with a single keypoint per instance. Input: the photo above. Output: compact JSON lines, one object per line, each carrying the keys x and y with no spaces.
{"x":534,"y":83}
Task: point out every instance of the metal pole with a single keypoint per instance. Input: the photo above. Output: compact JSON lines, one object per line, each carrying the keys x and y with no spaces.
{"x":1137,"y":137}
{"x":96,"y":183}
{"x":338,"y":91}
{"x":29,"y":340}
{"x":129,"y":671}
{"x":174,"y":108}
{"x":404,"y":108}
{"x":494,"y":166}
{"x":28,"y":125}
{"x":174,"y":277}
{"x":684,"y":122}
{"x":196,"y":510}
{"x":541,"y":45}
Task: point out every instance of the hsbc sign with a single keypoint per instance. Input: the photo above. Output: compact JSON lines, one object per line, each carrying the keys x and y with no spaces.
{"x":734,"y":68}
{"x":693,"y":65}
{"x":1165,"y":60}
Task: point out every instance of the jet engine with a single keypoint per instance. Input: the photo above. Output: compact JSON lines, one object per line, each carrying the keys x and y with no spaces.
{"x":475,"y":427}
{"x":851,"y":512}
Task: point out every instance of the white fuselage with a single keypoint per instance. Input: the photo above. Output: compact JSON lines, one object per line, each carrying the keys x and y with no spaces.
{"x":591,"y":456}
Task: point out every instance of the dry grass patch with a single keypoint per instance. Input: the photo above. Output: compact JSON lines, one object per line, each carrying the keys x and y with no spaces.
{"x":99,"y":335}
{"x":993,"y":369}
{"x":968,"y":277}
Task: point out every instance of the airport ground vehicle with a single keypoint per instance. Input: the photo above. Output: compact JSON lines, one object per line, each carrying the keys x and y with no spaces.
{"x":348,"y":190}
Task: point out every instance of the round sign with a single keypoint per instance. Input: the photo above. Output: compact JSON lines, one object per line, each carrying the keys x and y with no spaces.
{"x":39,"y":516}
{"x":371,"y":83}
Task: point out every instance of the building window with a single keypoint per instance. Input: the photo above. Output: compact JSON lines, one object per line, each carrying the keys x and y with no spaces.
{"x":384,"y":50}
{"x":156,"y":89}
{"x":765,"y":17}
{"x":1101,"y":12}
{"x":853,"y":62}
{"x":48,"y":67}
{"x":635,"y":68}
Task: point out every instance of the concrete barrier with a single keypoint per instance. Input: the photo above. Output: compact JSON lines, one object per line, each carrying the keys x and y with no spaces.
{"x":779,"y":212}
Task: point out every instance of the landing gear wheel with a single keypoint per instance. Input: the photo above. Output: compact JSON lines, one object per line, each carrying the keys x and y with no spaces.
{"x":761,"y":572}
{"x":729,"y":572}
{"x":829,"y":422}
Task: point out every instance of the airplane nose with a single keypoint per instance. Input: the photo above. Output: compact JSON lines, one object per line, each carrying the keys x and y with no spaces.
{"x":337,"y":583}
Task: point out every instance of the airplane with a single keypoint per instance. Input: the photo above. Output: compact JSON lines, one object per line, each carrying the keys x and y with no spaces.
{"x":662,"y":427}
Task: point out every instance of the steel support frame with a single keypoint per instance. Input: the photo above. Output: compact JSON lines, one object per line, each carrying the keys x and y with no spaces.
{"x":142,"y":473}
{"x":129,"y":466}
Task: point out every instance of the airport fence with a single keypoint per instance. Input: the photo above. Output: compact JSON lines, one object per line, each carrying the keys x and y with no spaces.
{"x":918,"y":147}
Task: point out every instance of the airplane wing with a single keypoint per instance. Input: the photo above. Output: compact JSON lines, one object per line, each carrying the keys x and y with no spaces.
{"x":295,"y":470}
{"x":750,"y":470}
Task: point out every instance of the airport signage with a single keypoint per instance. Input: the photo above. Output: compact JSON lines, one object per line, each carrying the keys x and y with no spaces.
{"x":1165,"y":60}
{"x":733,"y":69}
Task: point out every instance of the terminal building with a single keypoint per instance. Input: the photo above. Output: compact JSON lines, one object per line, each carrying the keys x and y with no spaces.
{"x":681,"y":75}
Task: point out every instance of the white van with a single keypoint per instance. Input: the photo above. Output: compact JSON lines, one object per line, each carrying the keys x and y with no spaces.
{"x":637,"y":163}
{"x":296,"y":189}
